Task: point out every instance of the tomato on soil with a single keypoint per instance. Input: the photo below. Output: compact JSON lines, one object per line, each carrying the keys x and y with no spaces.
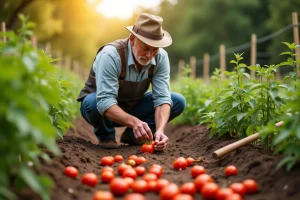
{"x":188,"y":188}
{"x":140,"y":170}
{"x":161,"y":183}
{"x":140,"y":186}
{"x":103,"y":195}
{"x":238,"y":188}
{"x":107,"y":160}
{"x":201,"y":180}
{"x":223,"y":193}
{"x":209,"y":190}
{"x":130,"y":172}
{"x":89,"y":179}
{"x":155,"y":170}
{"x":180,"y":163}
{"x":234,"y":196}
{"x":107,"y":168}
{"x":147,"y":148}
{"x":197,"y":170}
{"x":140,"y":160}
{"x":190,"y":161}
{"x":152,"y":186}
{"x":250,"y":186}
{"x":150,"y":177}
{"x":134,"y":196}
{"x":118,"y":158}
{"x":71,"y":171}
{"x":231,"y":170}
{"x":131,"y":162}
{"x":129,"y":181}
{"x":122,"y":167}
{"x":169,"y":191}
{"x":119,"y":186}
{"x":107,"y":176}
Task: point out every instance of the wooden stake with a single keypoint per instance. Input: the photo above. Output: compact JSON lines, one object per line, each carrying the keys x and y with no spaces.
{"x":231,"y":147}
{"x":222,"y":60}
{"x":59,"y":56}
{"x":206,"y":68}
{"x":253,"y":54}
{"x":181,"y":65}
{"x":296,"y":38}
{"x":193,"y":63}
{"x":3,"y":30}
{"x":68,"y":63}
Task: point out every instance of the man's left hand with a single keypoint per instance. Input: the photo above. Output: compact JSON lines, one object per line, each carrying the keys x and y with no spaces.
{"x":161,"y":141}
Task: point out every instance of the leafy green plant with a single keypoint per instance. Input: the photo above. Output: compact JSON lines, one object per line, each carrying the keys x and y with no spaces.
{"x":28,"y":119}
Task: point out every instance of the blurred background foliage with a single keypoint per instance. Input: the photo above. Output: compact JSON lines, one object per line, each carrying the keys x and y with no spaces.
{"x":197,"y":26}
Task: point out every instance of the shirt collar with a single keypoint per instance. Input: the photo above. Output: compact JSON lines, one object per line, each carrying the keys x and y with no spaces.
{"x":130,"y":59}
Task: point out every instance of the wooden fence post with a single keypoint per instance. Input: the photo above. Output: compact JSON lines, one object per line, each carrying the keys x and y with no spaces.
{"x":68,"y":63}
{"x":193,"y":63}
{"x":296,"y":38}
{"x":253,"y":53}
{"x":34,"y":42}
{"x":181,"y":65}
{"x":48,"y":48}
{"x":3,"y":30}
{"x":206,"y":68}
{"x":59,"y":57}
{"x":222,"y":60}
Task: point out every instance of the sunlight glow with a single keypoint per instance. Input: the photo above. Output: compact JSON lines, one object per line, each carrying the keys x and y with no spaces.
{"x":123,"y":9}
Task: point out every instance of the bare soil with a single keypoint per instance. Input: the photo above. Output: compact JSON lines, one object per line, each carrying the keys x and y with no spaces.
{"x":79,"y":148}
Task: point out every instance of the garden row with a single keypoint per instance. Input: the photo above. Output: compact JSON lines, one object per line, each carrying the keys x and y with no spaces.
{"x":238,"y":105}
{"x":37,"y":107}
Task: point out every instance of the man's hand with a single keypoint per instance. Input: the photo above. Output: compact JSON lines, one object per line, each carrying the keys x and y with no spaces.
{"x":142,"y":131}
{"x":161,"y":141}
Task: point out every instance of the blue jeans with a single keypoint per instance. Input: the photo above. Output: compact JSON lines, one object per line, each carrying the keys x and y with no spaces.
{"x":144,"y":110}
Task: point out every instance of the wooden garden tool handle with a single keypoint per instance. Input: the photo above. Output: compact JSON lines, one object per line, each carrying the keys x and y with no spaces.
{"x":231,"y":147}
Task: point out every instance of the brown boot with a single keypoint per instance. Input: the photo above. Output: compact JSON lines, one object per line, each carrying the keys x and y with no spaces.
{"x":108,"y":144}
{"x":127,"y":139}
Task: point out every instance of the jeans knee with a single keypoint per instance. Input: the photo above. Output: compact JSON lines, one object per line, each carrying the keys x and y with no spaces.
{"x":179,"y":103}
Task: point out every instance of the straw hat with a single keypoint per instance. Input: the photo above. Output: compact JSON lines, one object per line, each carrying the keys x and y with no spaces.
{"x":148,"y":28}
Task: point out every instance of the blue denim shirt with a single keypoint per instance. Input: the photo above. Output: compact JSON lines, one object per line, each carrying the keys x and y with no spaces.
{"x":107,"y":68}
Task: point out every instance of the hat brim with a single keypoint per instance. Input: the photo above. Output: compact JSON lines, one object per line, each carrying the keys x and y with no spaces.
{"x":164,"y":42}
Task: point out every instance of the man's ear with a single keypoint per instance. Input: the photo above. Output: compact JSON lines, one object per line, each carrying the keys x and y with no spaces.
{"x":131,"y":39}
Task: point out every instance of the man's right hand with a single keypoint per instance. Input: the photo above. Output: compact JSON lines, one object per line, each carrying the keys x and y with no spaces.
{"x":142,"y":131}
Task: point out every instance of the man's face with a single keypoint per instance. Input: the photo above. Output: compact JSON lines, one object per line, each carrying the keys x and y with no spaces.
{"x":142,"y":52}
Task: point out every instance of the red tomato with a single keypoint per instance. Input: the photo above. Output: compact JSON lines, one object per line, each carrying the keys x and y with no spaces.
{"x":147,"y":148}
{"x":131,"y":162}
{"x":209,"y":190}
{"x":150,"y":177}
{"x":169,"y":191}
{"x":188,"y":188}
{"x":140,"y":170}
{"x":140,"y":186}
{"x":156,"y":165}
{"x":190,"y":161}
{"x":118,"y":186}
{"x":231,"y":170}
{"x":118,"y":158}
{"x":197,"y":170}
{"x":201,"y":180}
{"x":122,"y":168}
{"x":129,"y":181}
{"x":140,"y":160}
{"x":238,"y":188}
{"x":71,"y":172}
{"x":161,"y":183}
{"x":180,"y":163}
{"x":250,"y":186}
{"x":182,"y":197}
{"x":132,"y":157}
{"x":234,"y":196}
{"x":106,"y":160}
{"x":130,"y":172}
{"x":107,"y":176}
{"x":223,"y":193}
{"x":155,"y":170}
{"x":106,"y":168}
{"x":134,"y":196}
{"x":103,"y":195}
{"x":152,"y":186}
{"x":89,"y":179}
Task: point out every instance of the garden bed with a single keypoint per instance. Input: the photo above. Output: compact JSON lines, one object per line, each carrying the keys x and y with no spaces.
{"x":79,"y":149}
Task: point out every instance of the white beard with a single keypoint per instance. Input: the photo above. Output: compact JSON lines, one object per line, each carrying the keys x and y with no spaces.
{"x":142,"y":60}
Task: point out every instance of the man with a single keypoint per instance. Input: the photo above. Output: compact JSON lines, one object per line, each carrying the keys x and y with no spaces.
{"x":115,"y":93}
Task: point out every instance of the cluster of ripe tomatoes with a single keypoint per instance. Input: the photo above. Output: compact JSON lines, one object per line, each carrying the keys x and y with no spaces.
{"x":128,"y":185}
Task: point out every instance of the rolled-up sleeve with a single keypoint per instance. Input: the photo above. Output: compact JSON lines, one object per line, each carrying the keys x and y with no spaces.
{"x":106,"y":73}
{"x":161,"y":81}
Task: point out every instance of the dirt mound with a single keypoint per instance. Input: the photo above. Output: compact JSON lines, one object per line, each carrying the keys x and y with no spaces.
{"x":79,"y":149}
